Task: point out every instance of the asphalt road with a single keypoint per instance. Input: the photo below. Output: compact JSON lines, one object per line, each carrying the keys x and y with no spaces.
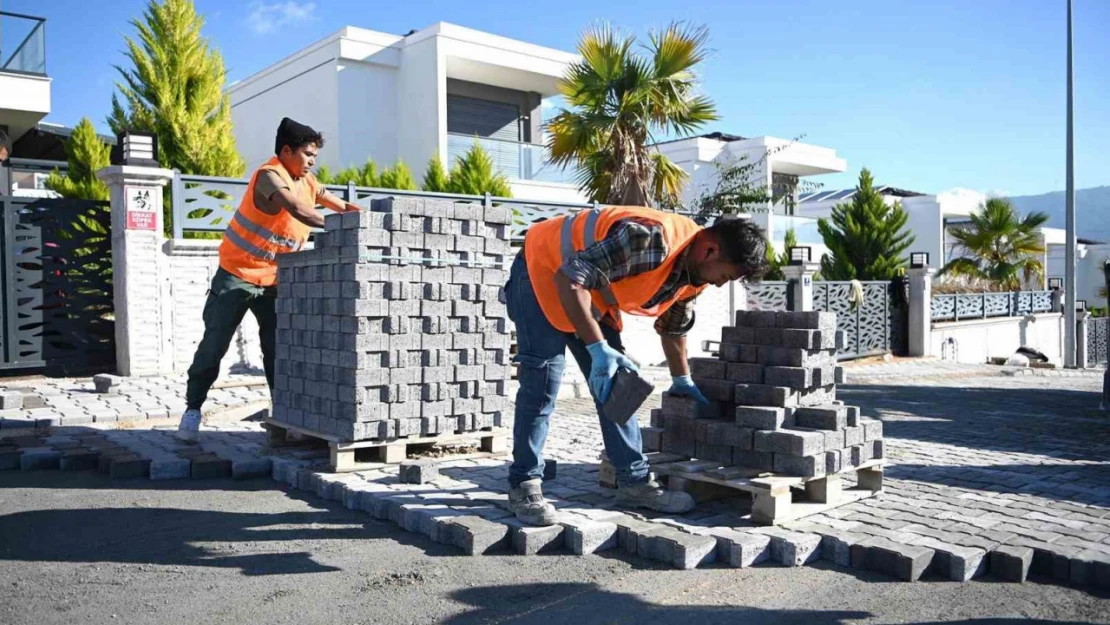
{"x":76,"y":548}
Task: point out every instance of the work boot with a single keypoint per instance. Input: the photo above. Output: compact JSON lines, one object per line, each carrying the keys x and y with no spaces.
{"x":649,"y":495}
{"x":527,"y":502}
{"x":189,"y":426}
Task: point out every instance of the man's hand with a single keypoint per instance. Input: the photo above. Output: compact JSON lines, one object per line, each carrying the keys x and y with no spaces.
{"x":604,"y":364}
{"x":684,"y":385}
{"x":334,"y":202}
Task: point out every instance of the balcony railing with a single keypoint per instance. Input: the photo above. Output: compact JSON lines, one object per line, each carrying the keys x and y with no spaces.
{"x":516,"y":160}
{"x":22,"y":44}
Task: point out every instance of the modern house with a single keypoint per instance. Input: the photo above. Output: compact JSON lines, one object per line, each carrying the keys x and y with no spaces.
{"x":24,"y":83}
{"x":930,"y":216}
{"x":432,"y":92}
{"x":780,"y":164}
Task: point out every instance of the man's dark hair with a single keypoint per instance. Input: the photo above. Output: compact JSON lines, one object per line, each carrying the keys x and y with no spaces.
{"x":5,"y":143}
{"x":743,"y":244}
{"x":294,"y":135}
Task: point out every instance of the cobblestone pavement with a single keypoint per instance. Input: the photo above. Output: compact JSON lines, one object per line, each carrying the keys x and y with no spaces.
{"x":74,"y":401}
{"x":984,"y":470}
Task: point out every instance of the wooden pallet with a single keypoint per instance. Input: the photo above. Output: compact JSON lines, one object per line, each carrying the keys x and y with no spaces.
{"x":346,"y":456}
{"x":776,"y":499}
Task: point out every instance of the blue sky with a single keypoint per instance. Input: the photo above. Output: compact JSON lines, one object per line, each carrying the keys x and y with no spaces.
{"x":929,"y":94}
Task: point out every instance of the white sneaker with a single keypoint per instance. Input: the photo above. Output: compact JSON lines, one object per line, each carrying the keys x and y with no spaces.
{"x":189,"y":426}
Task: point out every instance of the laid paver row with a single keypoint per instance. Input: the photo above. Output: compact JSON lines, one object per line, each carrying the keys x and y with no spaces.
{"x":466,"y":506}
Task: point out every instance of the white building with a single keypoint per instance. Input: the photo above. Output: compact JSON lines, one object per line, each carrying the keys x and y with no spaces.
{"x":24,"y":83}
{"x":1089,"y":259}
{"x":432,"y":92}
{"x":780,"y":165}
{"x":929,"y":216}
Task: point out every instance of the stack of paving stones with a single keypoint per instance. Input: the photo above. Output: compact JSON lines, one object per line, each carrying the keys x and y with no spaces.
{"x":773,"y":404}
{"x":392,"y":326}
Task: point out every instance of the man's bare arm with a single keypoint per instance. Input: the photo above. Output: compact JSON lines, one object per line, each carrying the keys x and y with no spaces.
{"x":332,"y":201}
{"x":300,"y":210}
{"x":674,"y":348}
{"x":577,"y":303}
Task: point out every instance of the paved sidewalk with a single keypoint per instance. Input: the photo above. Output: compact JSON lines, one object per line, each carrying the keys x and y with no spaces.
{"x":74,"y":401}
{"x":977,"y":460}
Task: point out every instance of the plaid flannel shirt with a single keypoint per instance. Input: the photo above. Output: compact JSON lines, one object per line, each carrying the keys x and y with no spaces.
{"x":632,"y":247}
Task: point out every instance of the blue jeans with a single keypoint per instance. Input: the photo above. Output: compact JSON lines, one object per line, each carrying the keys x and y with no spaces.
{"x":541,"y":358}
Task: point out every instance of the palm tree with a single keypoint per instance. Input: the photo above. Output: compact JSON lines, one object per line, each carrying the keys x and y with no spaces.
{"x":1001,"y":247}
{"x":618,"y":99}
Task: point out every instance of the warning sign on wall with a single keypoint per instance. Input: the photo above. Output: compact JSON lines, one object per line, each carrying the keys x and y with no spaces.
{"x":143,"y":205}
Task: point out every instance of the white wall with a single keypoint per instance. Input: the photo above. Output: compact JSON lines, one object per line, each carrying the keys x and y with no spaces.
{"x":712,"y":310}
{"x":979,"y":340}
{"x":545,"y":191}
{"x":1088,"y":270}
{"x":305,"y":94}
{"x":191,"y":267}
{"x":367,"y":111}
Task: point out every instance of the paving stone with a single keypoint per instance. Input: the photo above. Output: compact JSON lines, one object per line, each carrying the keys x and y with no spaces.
{"x":689,"y":551}
{"x":741,"y":549}
{"x":791,"y":548}
{"x":1011,"y":562}
{"x":9,"y":458}
{"x":586,"y":536}
{"x":170,"y":468}
{"x":477,"y":536}
{"x":418,"y":471}
{"x":836,"y":545}
{"x":904,"y":562}
{"x":11,"y":401}
{"x":529,"y":541}
{"x":79,"y":459}
{"x":956,"y":562}
{"x":129,"y":466}
{"x":208,"y":466}
{"x":39,"y":458}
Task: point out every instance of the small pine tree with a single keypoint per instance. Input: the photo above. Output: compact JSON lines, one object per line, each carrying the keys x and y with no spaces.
{"x":397,"y":177}
{"x":86,"y":154}
{"x":777,"y":261}
{"x":368,"y":174}
{"x":175,"y":90}
{"x":435,"y":178}
{"x":866,"y":237}
{"x":324,"y":175}
{"x":473,"y":174}
{"x":344,"y":176}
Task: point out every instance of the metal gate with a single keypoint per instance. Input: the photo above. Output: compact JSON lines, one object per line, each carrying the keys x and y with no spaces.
{"x":1098,"y":341}
{"x":869,"y":328}
{"x":56,"y":277}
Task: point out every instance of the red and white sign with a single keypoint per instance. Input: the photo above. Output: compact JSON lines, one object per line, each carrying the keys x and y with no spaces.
{"x":143,"y":205}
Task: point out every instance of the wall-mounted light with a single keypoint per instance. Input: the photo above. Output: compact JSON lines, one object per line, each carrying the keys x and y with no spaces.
{"x":800,"y":254}
{"x":1055,"y":284}
{"x":1081,"y":305}
{"x":919,"y":260}
{"x":136,"y":148}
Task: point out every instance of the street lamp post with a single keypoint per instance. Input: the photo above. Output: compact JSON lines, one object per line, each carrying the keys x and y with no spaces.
{"x":1069,"y":270}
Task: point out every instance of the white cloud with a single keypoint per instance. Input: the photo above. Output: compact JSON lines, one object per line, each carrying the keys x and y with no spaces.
{"x":266,"y":18}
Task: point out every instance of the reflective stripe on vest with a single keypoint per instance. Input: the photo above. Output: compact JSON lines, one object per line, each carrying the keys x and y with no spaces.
{"x":566,"y":246}
{"x":245,"y":223}
{"x":248,"y":247}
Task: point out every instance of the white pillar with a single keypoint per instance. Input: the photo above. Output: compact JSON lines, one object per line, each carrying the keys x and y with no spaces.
{"x":801,"y":281}
{"x":138,"y":268}
{"x":1081,"y":330}
{"x":921,"y":310}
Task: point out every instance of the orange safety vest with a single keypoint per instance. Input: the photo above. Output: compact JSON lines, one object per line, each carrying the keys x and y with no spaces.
{"x":551,"y":243}
{"x":253,"y":239}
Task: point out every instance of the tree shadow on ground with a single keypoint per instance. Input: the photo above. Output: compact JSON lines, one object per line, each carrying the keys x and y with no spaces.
{"x":186,"y":537}
{"x":585,"y":604}
{"x":1062,"y":424}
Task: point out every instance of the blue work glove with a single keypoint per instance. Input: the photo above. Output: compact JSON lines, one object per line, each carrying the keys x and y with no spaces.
{"x":684,"y":385}
{"x":604,"y":364}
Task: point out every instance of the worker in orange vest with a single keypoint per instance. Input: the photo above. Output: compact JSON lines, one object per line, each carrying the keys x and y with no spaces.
{"x":568,"y":288}
{"x":276,"y":215}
